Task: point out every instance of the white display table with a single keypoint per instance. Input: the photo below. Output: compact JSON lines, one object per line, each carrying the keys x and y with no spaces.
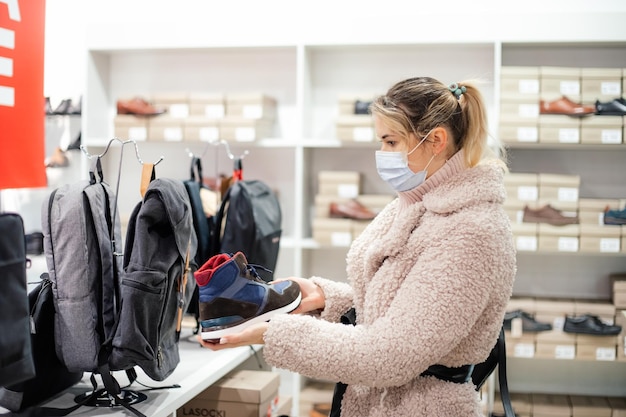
{"x":198,"y":369}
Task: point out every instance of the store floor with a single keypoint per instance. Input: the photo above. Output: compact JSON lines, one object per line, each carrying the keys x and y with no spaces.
{"x":314,"y":392}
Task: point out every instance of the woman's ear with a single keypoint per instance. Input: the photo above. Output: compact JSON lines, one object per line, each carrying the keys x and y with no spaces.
{"x":439,"y":140}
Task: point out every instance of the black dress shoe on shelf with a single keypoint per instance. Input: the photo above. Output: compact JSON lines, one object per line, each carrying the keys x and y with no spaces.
{"x":63,"y":107}
{"x":615,"y":107}
{"x":529,"y":324}
{"x":589,"y":324}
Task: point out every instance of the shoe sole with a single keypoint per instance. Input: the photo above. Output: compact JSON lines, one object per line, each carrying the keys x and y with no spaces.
{"x":212,"y":335}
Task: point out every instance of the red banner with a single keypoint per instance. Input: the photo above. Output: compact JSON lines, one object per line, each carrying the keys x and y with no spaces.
{"x":22,"y":114}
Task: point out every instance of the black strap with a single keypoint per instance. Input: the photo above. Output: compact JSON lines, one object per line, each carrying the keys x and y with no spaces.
{"x":504,"y":386}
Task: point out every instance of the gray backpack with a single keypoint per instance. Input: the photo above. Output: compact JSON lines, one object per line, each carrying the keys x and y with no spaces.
{"x":112,"y":316}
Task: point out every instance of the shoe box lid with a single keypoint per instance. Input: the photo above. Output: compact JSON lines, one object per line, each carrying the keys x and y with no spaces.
{"x":251,"y":105}
{"x":602,"y":73}
{"x":556,"y":337}
{"x":526,"y":304}
{"x":597,"y":204}
{"x":560,"y":72}
{"x":334,"y":177}
{"x":603,"y":309}
{"x":590,"y":406}
{"x":525,"y":229}
{"x":559,"y":121}
{"x":570,"y":230}
{"x":509,"y":120}
{"x":521,"y":178}
{"x":244,"y":386}
{"x":602,"y":121}
{"x":596,"y":230}
{"x":560,"y":307}
{"x":512,"y":71}
{"x":521,"y":402}
{"x":559,"y":180}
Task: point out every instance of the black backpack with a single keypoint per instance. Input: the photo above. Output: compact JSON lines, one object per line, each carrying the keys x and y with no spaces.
{"x":249,"y":221}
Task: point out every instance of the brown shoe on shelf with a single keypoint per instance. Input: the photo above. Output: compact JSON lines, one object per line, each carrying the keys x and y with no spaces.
{"x":351,"y":209}
{"x":139,"y":107}
{"x":547,"y":214}
{"x":58,"y":159}
{"x":320,"y":410}
{"x":565,"y":106}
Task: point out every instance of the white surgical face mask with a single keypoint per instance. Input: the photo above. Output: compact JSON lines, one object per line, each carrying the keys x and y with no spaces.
{"x":393,"y":168}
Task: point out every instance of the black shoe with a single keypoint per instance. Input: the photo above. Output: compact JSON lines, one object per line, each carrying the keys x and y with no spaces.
{"x":529,"y":324}
{"x":589,"y":324}
{"x":615,"y":107}
{"x":63,"y":107}
{"x":34,"y":243}
{"x":362,"y":107}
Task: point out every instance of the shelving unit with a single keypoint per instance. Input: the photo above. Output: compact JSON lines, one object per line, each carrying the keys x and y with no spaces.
{"x":307,"y":73}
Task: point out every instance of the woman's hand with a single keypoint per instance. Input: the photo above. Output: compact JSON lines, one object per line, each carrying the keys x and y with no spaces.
{"x":313,"y":297}
{"x":252,"y":335}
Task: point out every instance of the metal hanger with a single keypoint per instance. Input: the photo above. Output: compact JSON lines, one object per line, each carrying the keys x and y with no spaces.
{"x":217,"y":143}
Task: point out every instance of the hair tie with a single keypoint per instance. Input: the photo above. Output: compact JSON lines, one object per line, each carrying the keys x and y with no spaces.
{"x":457,"y":90}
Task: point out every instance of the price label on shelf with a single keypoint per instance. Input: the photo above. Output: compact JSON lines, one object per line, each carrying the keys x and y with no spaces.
{"x":528,"y":86}
{"x":524,"y":350}
{"x":526,"y":243}
{"x":569,"y":88}
{"x":527,"y":193}
{"x":611,"y":136}
{"x":179,"y":111}
{"x":568,"y":244}
{"x":173,"y":134}
{"x":528,"y":110}
{"x":564,"y":352}
{"x":214,"y":111}
{"x":605,"y":354}
{"x":245,"y":134}
{"x":610,"y":245}
{"x":610,"y":88}
{"x":363,"y":134}
{"x":567,"y":194}
{"x":137,"y":133}
{"x":341,"y":239}
{"x":209,"y":134}
{"x":567,"y":135}
{"x":527,"y":134}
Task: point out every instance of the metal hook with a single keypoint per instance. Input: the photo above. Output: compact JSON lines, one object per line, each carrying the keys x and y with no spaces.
{"x":123,"y":142}
{"x":139,"y":158}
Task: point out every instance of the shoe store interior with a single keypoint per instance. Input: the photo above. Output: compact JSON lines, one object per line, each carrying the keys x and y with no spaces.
{"x":151,"y":148}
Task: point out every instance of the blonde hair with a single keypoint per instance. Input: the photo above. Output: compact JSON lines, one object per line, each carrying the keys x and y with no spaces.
{"x":418,"y":105}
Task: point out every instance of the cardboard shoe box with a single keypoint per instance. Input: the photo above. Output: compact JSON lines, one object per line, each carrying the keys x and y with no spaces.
{"x":242,"y":393}
{"x":555,"y":344}
{"x":166,"y":128}
{"x":605,"y":130}
{"x":522,"y":186}
{"x":559,"y":238}
{"x":518,"y":129}
{"x":201,"y":129}
{"x":332,"y":232}
{"x":355,"y":128}
{"x":344,"y":184}
{"x":211,"y":106}
{"x":519,"y":81}
{"x":244,"y":129}
{"x":559,"y":188}
{"x":130,"y":127}
{"x":603,"y":84}
{"x":618,"y":290}
{"x":176,"y":104}
{"x":554,"y":128}
{"x":600,"y":239}
{"x":590,"y":406}
{"x":526,"y":236}
{"x":551,"y":405}
{"x":560,"y":81}
{"x":251,"y":106}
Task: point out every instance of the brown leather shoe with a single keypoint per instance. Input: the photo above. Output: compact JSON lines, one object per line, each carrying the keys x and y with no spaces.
{"x":547,"y":214}
{"x":320,"y":410}
{"x":351,"y":209}
{"x":565,"y":106}
{"x":58,"y":159}
{"x":138,"y":106}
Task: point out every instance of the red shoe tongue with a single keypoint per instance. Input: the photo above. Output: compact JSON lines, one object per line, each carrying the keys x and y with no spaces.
{"x":204,"y":274}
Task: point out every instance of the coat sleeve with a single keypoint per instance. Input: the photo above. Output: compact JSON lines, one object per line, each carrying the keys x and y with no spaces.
{"x":436,"y":305}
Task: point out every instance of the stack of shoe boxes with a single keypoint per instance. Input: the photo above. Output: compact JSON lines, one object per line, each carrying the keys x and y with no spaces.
{"x":169,"y":126}
{"x":604,"y":85}
{"x":354,"y":124}
{"x":523,"y":89}
{"x":352,"y":211}
{"x":205,"y":112}
{"x":558,"y":82}
{"x":555,"y":343}
{"x":618,"y":295}
{"x":595,"y":236}
{"x":561,"y":193}
{"x":242,"y":393}
{"x":522,"y":190}
{"x":519,"y":104}
{"x":521,"y":403}
{"x":249,"y":117}
{"x":202,"y":117}
{"x":596,"y":347}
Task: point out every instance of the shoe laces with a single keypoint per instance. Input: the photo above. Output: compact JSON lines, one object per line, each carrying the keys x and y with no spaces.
{"x":251,"y":268}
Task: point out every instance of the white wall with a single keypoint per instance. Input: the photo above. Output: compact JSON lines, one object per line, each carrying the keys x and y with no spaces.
{"x":68,"y":23}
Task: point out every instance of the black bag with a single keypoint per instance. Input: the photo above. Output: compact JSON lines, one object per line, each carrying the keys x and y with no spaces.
{"x":204,"y":228}
{"x":51,"y":376}
{"x":479,"y":375}
{"x":16,"y":362}
{"x":252,"y":224}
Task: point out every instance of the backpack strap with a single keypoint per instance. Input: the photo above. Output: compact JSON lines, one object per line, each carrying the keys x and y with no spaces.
{"x":504,"y":387}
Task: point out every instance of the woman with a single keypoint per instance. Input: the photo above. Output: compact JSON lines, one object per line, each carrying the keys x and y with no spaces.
{"x":429,"y":278}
